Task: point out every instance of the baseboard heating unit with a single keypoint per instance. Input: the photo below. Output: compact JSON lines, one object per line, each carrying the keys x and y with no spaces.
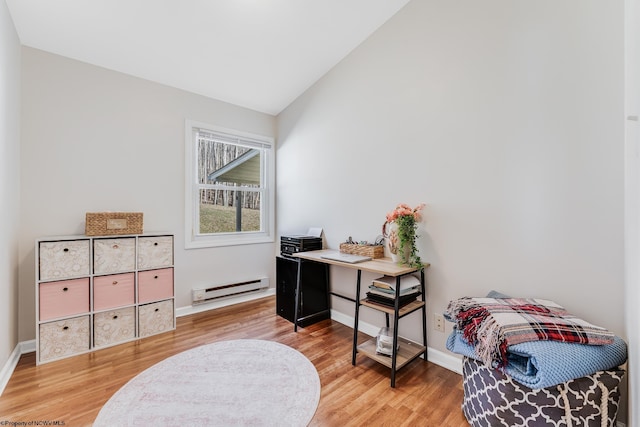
{"x":230,"y":289}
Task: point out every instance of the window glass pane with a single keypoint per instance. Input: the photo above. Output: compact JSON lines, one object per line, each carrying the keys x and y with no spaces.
{"x":231,"y":174}
{"x":222,"y":212}
{"x":228,"y":164}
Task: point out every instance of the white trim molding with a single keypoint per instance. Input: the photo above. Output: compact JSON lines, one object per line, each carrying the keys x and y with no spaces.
{"x":10,"y":366}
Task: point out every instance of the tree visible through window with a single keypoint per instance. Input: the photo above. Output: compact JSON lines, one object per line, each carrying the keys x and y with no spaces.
{"x":231,"y":181}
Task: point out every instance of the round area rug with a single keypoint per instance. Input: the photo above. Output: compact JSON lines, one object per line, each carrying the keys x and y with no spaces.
{"x":228,"y":383}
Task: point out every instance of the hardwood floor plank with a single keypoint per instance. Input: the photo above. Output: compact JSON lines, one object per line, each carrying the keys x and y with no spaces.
{"x":74,"y":390}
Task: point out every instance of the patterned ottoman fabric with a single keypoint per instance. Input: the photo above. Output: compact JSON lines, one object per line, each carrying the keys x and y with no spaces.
{"x":492,"y":399}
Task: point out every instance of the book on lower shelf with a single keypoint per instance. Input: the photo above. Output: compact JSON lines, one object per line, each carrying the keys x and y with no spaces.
{"x":389,"y":301}
{"x":388,"y":282}
{"x":390,"y":293}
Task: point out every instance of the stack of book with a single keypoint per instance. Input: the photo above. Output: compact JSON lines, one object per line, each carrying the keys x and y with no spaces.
{"x":383,"y":290}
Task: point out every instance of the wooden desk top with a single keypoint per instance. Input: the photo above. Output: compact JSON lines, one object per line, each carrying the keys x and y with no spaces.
{"x":379,"y":265}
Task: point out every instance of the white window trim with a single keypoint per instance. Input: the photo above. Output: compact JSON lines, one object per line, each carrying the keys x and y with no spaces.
{"x":192,"y":239}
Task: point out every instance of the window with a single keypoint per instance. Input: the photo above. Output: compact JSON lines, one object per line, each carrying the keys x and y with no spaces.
{"x":229,"y":194}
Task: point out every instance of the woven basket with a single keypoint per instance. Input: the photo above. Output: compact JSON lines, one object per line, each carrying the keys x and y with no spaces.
{"x":113,"y":223}
{"x":374,"y":251}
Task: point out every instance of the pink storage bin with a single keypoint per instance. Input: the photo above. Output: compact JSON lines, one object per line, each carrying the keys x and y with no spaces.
{"x":116,"y":290}
{"x":64,"y":298}
{"x":155,"y":285}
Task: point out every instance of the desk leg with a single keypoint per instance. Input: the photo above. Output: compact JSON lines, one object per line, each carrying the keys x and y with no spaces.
{"x":394,"y":349}
{"x":327,"y":272}
{"x":296,"y":309}
{"x":355,"y":322}
{"x":424,"y":313}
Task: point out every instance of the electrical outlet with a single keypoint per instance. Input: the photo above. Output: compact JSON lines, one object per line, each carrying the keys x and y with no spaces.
{"x":438,"y":322}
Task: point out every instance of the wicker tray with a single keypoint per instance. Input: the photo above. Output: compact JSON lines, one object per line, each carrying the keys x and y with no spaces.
{"x":374,"y":251}
{"x":113,"y":223}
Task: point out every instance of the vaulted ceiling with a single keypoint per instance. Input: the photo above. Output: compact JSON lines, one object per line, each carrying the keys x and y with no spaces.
{"x":259,"y":54}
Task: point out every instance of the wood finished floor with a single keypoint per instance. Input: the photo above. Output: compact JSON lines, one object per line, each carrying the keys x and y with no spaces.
{"x":73,"y":390}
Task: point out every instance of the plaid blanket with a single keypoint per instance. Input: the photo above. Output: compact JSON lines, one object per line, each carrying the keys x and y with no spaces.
{"x":493,"y":324}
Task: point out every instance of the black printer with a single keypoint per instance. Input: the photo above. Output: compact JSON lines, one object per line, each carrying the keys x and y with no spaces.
{"x":290,"y":245}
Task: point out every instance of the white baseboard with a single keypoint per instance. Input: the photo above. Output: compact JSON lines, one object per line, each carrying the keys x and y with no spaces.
{"x":27,"y":346}
{"x":223,"y":302}
{"x":8,"y":368}
{"x":447,"y":361}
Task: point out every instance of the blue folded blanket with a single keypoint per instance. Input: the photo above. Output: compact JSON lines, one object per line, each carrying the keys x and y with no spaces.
{"x":541,"y":364}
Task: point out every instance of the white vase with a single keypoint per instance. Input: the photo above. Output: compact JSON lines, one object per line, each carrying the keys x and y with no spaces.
{"x":392,"y":240}
{"x":396,"y":254}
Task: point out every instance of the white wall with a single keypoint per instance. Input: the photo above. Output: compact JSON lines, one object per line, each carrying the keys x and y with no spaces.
{"x":9,"y":182}
{"x":632,"y":198}
{"x":96,"y":140}
{"x":506,"y":119}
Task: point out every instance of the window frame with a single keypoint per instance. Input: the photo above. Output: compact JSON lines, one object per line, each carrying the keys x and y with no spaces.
{"x":193,"y":239}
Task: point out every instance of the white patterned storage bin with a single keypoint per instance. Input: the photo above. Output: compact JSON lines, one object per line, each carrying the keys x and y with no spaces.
{"x":64,"y":338}
{"x":155,"y":318}
{"x":154,"y":252}
{"x":63,"y":259}
{"x":114,"y":326}
{"x":114,"y":255}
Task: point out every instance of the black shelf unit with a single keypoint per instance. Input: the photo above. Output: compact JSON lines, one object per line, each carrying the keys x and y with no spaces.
{"x":314,"y":290}
{"x":404,"y":350}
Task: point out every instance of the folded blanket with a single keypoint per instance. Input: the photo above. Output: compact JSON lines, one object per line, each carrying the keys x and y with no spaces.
{"x":541,"y":364}
{"x":494,"y":324}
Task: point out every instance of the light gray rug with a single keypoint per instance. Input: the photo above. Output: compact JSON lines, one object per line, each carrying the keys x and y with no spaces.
{"x":228,"y":383}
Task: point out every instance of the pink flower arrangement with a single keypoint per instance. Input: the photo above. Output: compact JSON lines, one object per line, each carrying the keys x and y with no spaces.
{"x":403,"y":209}
{"x":402,"y":242}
